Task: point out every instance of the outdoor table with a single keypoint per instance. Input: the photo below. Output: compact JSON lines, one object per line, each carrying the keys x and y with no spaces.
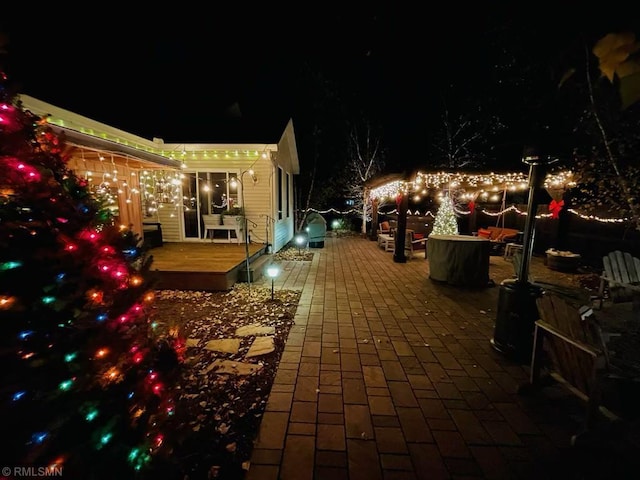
{"x":459,"y":259}
{"x":386,"y":241}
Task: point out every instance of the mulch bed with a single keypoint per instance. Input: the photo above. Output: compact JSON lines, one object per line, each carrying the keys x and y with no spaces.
{"x":294,"y":254}
{"x":218,"y":415}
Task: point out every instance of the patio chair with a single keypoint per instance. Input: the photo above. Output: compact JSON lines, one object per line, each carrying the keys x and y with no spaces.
{"x":622,"y":277}
{"x":384,"y":228}
{"x":385,"y":237}
{"x":571,"y":348}
{"x":413,"y":242}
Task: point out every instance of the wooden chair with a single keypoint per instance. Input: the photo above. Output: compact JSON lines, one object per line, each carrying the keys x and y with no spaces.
{"x":569,"y":346}
{"x":622,"y":276}
{"x":411,"y":243}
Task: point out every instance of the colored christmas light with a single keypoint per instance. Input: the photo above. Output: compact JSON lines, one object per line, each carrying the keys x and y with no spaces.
{"x":69,"y":264}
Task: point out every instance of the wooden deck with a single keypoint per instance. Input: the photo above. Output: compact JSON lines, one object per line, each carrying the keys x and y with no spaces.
{"x":203,"y":266}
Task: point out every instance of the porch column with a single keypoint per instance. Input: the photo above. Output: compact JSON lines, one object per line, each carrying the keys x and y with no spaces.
{"x":402,"y":206}
{"x":373,"y":233}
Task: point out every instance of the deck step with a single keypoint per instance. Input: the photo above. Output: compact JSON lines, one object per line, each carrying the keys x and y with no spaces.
{"x":257,"y":268}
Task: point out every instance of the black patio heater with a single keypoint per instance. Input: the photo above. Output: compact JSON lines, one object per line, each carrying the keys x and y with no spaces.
{"x":517,"y":310}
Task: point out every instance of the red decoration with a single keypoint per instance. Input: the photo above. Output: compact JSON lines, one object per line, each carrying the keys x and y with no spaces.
{"x":398,"y":200}
{"x":472,"y":206}
{"x":555,"y":207}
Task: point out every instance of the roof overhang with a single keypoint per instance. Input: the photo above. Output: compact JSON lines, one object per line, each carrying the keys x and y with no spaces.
{"x":148,"y":159}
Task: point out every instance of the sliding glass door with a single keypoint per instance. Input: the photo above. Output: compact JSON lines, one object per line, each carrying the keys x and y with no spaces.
{"x":206,"y":192}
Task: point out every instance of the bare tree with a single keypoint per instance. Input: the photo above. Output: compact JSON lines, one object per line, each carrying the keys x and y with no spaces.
{"x":366,"y":159}
{"x":606,"y":155}
{"x":302,"y":213}
{"x":464,"y":141}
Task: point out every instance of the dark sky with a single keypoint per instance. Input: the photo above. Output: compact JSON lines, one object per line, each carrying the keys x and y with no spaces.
{"x":205,"y":74}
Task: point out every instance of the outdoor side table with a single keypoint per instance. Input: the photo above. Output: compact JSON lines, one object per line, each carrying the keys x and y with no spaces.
{"x":386,"y":241}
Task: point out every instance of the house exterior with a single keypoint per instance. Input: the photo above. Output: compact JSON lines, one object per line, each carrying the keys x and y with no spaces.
{"x":151,"y":182}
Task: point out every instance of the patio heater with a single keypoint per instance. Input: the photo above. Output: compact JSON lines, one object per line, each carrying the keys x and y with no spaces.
{"x":517,"y":310}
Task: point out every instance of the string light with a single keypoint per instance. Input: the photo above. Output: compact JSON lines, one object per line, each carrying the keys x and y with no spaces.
{"x":481,"y":186}
{"x":479,"y":182}
{"x":84,"y":251}
{"x":518,"y":211}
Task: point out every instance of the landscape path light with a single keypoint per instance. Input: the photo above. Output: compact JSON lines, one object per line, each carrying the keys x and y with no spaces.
{"x":300,"y":242}
{"x":272,"y":272}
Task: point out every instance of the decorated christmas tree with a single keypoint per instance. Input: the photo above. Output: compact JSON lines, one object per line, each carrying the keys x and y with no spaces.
{"x":85,"y":384}
{"x":445,"y":222}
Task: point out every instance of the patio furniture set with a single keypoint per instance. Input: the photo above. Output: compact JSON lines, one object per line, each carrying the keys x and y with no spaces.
{"x":387,"y":240}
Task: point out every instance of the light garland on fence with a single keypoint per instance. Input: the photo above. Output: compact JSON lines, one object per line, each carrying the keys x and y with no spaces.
{"x":333,"y":210}
{"x":598,"y":219}
{"x":515,"y":209}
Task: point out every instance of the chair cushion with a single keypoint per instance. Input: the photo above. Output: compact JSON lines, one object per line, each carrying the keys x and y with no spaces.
{"x":484,"y":233}
{"x":384,"y":226}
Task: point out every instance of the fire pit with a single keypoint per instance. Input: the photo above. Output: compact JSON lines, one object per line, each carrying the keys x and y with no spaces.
{"x":562,"y":261}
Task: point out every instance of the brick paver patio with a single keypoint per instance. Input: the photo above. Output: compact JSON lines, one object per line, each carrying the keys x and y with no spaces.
{"x":388,"y":375}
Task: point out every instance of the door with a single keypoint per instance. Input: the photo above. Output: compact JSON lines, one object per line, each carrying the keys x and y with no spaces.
{"x":207,"y":192}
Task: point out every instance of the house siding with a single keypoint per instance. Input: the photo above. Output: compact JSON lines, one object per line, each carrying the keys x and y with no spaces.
{"x":284,"y":226}
{"x":171,"y":221}
{"x":131,"y":155}
{"x":98,"y":172}
{"x":258,"y":203}
{"x":286,"y":159}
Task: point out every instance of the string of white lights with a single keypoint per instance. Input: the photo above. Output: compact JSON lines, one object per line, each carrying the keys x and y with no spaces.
{"x":518,"y":211}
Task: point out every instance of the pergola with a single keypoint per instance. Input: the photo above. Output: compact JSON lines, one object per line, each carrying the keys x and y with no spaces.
{"x":472,"y":186}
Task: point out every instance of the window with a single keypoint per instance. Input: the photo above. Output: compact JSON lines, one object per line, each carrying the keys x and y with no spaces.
{"x":287,"y":201}
{"x":280,"y":172}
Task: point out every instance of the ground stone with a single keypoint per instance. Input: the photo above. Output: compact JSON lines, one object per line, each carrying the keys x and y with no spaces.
{"x":255,"y":329}
{"x":225,"y":345}
{"x":261,"y":346}
{"x":233,"y":368}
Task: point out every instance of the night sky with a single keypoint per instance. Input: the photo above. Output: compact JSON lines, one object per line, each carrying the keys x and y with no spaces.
{"x":205,"y":74}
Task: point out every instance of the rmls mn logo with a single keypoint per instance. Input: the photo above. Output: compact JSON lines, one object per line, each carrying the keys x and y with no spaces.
{"x":17,"y":472}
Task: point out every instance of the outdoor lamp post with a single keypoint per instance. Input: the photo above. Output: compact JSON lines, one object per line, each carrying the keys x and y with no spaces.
{"x":272,"y":272}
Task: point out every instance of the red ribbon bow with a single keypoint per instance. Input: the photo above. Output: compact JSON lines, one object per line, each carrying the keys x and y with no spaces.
{"x":555,"y":207}
{"x":472,"y":206}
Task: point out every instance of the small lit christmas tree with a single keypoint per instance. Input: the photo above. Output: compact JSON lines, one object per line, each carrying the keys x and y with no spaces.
{"x":84,"y":386}
{"x":445,"y":222}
